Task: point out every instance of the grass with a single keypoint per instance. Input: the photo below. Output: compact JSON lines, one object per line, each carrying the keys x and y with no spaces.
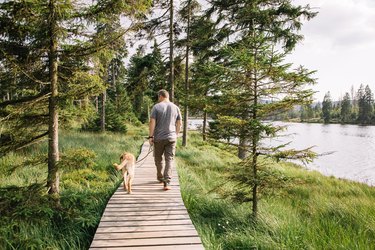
{"x":311,"y":212}
{"x":30,"y":220}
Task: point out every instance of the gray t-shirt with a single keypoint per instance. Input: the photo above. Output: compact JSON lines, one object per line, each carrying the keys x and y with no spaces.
{"x":165,"y":114}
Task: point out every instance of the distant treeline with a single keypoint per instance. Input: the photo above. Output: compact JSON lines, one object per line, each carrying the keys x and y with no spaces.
{"x":356,"y":107}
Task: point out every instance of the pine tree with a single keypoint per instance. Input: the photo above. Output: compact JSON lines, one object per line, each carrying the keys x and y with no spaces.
{"x":160,"y":26}
{"x":346,"y":109}
{"x":365,"y":104}
{"x":203,"y":43}
{"x":47,"y":50}
{"x":327,"y":107}
{"x":254,"y":83}
{"x":186,"y":15}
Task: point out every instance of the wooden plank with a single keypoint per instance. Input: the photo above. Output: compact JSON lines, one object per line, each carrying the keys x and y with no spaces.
{"x":170,"y":247}
{"x":143,"y":201}
{"x":150,"y":218}
{"x":145,"y":217}
{"x":146,"y":195}
{"x":165,"y":205}
{"x":134,"y":209}
{"x":146,"y":213}
{"x":145,"y":228}
{"x":146,"y":242}
{"x":144,"y":223}
{"x":143,"y":235}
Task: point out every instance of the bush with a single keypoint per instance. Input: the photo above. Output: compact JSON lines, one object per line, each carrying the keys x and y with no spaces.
{"x":114,"y":121}
{"x":77,"y":158}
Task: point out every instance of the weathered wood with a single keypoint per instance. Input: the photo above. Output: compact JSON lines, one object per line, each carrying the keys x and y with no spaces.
{"x":142,"y":235}
{"x":143,"y":223}
{"x":146,"y":242}
{"x":134,"y":209}
{"x":142,"y":213}
{"x":144,"y":228}
{"x":150,"y":218}
{"x":170,"y":247}
{"x":162,"y":205}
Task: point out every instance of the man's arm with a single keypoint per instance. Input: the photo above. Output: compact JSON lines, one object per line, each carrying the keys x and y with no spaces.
{"x":151,"y":130}
{"x":178,"y":126}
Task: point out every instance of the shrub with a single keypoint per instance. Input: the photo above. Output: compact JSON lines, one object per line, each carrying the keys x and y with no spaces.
{"x":77,"y":158}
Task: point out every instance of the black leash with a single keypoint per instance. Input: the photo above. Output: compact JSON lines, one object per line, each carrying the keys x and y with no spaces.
{"x":149,"y":151}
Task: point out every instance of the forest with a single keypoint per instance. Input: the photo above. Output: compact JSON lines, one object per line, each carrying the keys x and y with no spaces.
{"x":77,"y":82}
{"x":354,"y":108}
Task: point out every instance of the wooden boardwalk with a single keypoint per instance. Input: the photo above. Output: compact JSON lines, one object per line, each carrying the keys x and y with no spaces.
{"x":150,"y":218}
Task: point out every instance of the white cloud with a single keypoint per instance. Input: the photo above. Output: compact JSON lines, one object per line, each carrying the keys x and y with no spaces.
{"x":342,"y":23}
{"x":340,"y":44}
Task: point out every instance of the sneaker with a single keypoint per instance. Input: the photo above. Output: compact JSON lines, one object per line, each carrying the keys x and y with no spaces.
{"x":160,"y":180}
{"x":167,"y":186}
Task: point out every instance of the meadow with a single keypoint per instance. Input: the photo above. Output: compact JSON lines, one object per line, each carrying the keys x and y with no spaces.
{"x":30,"y":220}
{"x":309,"y":211}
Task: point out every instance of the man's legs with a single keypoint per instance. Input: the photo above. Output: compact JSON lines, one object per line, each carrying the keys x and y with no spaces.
{"x":169,"y":153}
{"x":158,"y":158}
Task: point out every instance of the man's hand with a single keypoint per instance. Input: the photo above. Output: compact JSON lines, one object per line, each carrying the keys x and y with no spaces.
{"x":151,"y":131}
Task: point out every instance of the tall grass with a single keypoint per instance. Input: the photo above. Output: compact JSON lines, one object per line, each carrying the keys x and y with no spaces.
{"x":30,"y":220}
{"x":311,"y":212}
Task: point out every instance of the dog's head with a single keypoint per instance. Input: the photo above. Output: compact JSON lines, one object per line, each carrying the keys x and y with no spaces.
{"x":125,"y":156}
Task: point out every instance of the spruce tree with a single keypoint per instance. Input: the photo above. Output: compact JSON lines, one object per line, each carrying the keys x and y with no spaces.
{"x":365,"y":104}
{"x":161,"y":26}
{"x":186,"y":15}
{"x":47,"y":49}
{"x":327,"y":107}
{"x":254,"y":82}
{"x":345,"y":111}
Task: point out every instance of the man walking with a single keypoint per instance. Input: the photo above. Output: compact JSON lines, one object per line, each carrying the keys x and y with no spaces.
{"x":165,"y":124}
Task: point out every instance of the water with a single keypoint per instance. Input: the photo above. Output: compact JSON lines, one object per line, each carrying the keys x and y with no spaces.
{"x":352,"y":148}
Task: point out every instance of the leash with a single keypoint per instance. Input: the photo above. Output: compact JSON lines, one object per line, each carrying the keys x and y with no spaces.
{"x":149,"y":152}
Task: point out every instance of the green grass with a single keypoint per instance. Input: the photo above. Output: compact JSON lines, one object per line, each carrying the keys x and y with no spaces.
{"x":30,"y":220}
{"x":311,"y":212}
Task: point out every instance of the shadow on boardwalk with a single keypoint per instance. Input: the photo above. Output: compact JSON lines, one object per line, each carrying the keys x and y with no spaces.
{"x":150,"y":218}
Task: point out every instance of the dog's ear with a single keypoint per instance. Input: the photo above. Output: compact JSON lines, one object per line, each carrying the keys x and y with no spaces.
{"x":128,"y":156}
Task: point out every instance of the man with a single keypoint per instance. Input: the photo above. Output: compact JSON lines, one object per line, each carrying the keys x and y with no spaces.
{"x":165,"y":124}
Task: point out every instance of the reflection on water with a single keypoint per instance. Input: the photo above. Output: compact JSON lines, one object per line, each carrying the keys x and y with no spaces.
{"x":353,"y":148}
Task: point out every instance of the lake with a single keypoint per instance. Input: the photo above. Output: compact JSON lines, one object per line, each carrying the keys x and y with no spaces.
{"x":352,"y":148}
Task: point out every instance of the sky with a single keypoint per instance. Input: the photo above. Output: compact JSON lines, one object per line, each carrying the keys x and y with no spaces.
{"x":340,"y":44}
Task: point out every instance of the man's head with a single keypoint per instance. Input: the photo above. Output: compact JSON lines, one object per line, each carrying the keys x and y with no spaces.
{"x":163,"y":95}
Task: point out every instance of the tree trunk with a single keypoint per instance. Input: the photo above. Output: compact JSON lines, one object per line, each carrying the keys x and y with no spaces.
{"x":204,"y":128}
{"x":242,"y":152}
{"x":148,"y":111}
{"x":97,"y":104}
{"x":171,"y":47}
{"x":186,"y":107}
{"x":255,"y":174}
{"x":255,"y":140}
{"x":53,"y":125}
{"x":114,"y":85}
{"x":102,"y":114}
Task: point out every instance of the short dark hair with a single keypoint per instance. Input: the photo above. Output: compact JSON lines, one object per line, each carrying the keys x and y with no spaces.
{"x":163,"y":93}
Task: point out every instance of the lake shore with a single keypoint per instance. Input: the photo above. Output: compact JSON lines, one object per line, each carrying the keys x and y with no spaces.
{"x":310,"y":211}
{"x":345,"y":150}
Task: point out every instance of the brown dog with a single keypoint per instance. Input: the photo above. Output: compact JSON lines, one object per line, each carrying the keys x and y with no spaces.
{"x":127,"y":166}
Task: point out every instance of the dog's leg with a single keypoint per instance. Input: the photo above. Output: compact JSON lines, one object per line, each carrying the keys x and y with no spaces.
{"x":125,"y":181}
{"x":130,"y":183}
